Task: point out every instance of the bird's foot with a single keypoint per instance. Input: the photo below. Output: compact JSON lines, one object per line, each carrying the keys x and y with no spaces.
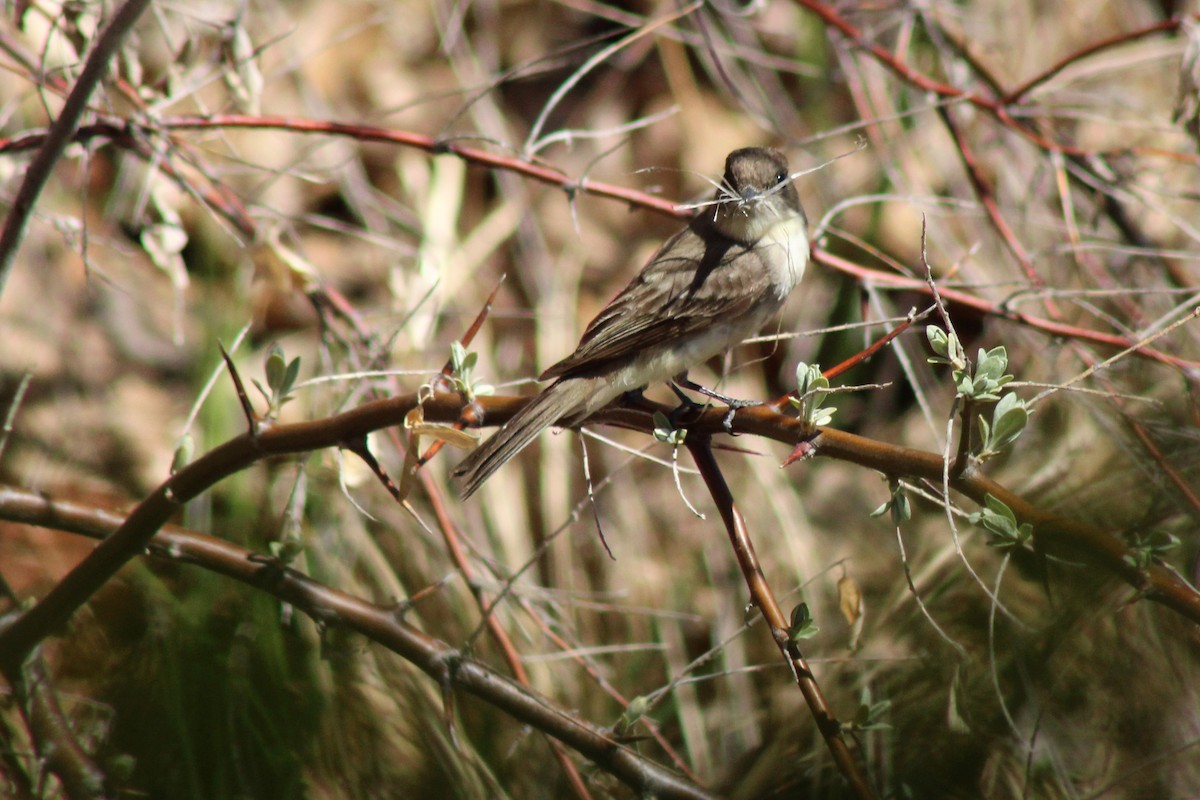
{"x":733,"y":403}
{"x":734,"y":407}
{"x":687,"y":411}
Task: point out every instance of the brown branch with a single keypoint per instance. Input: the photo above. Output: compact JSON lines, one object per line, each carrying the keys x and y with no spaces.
{"x":380,"y":623}
{"x":452,"y":539}
{"x":863,"y":356}
{"x":1055,"y":534}
{"x":1081,"y":159}
{"x":431,"y":145}
{"x":762,"y":596}
{"x":448,"y":369}
{"x":987,"y":198}
{"x":120,"y":131}
{"x":53,"y":739}
{"x":1156,"y":453}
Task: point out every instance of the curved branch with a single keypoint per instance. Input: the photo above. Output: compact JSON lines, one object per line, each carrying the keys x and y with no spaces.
{"x":53,"y":738}
{"x":54,"y":610}
{"x":381,"y":624}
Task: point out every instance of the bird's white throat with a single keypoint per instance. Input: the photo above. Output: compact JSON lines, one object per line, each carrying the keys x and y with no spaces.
{"x":781,"y":233}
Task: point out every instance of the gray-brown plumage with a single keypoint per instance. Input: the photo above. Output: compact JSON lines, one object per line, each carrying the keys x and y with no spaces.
{"x":707,"y":288}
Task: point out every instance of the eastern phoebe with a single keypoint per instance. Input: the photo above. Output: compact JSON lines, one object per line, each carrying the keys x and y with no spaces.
{"x":710,"y":286}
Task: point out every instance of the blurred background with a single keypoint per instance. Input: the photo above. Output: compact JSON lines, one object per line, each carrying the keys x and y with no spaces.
{"x":1042,"y":156}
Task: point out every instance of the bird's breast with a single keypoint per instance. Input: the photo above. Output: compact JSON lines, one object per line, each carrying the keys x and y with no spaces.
{"x":784,"y":250}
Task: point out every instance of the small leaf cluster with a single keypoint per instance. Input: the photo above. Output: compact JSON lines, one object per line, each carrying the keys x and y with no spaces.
{"x":802,"y":625}
{"x":1010,"y":416}
{"x":665,"y":432}
{"x":636,"y":709}
{"x":812,"y":389}
{"x":1144,"y":550}
{"x":462,"y":366}
{"x":281,"y":378}
{"x":868,"y":716}
{"x":1000,"y":520}
{"x":990,"y":365}
{"x":897,"y":505}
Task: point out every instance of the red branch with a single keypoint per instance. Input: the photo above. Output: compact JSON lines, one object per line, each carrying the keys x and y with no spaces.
{"x":868,"y":275}
{"x":997,"y":107}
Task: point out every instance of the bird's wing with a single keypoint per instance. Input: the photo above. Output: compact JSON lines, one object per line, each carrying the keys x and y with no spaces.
{"x":685,"y":287}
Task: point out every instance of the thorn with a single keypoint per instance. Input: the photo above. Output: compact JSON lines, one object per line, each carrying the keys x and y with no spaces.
{"x":247,"y":409}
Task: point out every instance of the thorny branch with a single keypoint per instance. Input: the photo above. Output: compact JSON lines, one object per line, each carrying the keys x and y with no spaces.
{"x":380,"y":623}
{"x":56,"y":608}
{"x":120,"y":132}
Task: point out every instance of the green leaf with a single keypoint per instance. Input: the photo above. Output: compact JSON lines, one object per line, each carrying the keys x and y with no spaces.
{"x":901,"y":508}
{"x":293,"y":371}
{"x":1001,"y":508}
{"x":992,"y":363}
{"x":636,"y":709}
{"x":812,"y":389}
{"x":458,"y":356}
{"x":1002,"y":522}
{"x":1009,"y":419}
{"x":275,"y":367}
{"x":1144,"y":550}
{"x":898,"y":505}
{"x":946,"y":347}
{"x":938,"y":341}
{"x":985,"y":435}
{"x":868,"y":715}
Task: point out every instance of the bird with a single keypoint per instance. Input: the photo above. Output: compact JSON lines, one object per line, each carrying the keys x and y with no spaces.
{"x":710,"y":286}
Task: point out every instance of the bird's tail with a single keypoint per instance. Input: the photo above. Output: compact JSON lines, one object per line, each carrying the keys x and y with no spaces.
{"x":565,"y":398}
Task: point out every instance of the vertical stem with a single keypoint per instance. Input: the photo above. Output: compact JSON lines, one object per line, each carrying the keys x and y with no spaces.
{"x":764,"y":598}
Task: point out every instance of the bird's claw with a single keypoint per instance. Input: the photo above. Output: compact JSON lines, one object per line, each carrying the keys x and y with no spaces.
{"x":734,"y":407}
{"x":687,"y":406}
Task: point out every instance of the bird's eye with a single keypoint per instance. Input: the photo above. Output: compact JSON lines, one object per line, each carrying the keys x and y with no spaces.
{"x":781,"y":176}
